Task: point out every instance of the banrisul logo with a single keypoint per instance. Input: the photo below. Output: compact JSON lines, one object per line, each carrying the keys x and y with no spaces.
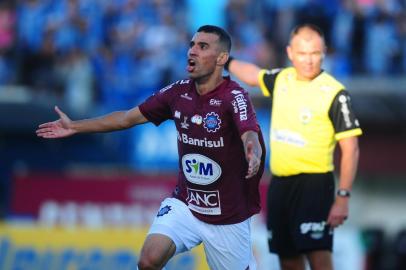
{"x":199,"y":169}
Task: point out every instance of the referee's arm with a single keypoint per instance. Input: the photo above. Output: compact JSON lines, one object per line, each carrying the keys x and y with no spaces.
{"x":349,"y":161}
{"x":244,"y":71}
{"x":347,"y":131}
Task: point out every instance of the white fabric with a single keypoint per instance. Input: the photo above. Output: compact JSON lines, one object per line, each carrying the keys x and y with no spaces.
{"x":227,"y":247}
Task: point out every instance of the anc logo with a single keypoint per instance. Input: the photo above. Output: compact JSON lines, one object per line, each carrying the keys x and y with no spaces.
{"x":212,"y":122}
{"x":199,"y":169}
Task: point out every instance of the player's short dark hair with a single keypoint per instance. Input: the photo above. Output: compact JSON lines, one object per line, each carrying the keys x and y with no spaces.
{"x":311,"y":26}
{"x":224,"y":37}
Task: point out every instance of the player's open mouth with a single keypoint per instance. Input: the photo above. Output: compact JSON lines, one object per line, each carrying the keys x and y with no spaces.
{"x":191,"y":65}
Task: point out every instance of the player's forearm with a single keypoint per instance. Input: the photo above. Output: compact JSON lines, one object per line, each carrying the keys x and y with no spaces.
{"x":244,"y":71}
{"x":110,"y":122}
{"x":251,"y":138}
{"x":114,"y":121}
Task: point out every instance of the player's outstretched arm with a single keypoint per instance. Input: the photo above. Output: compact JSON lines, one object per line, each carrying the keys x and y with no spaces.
{"x":253,"y":152}
{"x":244,"y":71}
{"x":65,"y":127}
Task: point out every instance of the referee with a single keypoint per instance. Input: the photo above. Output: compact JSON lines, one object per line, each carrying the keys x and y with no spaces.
{"x":311,"y":112}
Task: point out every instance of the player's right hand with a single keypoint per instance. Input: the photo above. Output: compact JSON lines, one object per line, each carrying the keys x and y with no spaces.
{"x":253,"y":161}
{"x":56,"y":129}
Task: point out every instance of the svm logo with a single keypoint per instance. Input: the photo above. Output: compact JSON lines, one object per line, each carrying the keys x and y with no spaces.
{"x":199,"y":169}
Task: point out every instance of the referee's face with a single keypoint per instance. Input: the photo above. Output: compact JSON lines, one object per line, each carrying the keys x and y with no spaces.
{"x":306,"y":52}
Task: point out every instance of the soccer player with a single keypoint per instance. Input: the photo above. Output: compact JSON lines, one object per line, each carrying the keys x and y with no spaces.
{"x":221,"y":159}
{"x":311,"y":112}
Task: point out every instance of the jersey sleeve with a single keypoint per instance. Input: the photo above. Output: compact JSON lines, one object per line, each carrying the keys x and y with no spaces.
{"x":343,"y":118}
{"x":156,"y":108}
{"x":243,"y":112}
{"x":266,"y":79}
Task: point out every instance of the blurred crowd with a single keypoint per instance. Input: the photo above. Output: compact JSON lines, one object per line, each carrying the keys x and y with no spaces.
{"x":115,"y":53}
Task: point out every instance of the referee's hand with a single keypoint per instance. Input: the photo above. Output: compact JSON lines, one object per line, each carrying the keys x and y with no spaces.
{"x":338,"y":212}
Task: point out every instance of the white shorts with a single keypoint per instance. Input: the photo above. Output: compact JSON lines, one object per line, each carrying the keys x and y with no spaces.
{"x":227,"y":247}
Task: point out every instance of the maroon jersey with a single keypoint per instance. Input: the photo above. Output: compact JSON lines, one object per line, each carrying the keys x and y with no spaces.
{"x":212,"y":164}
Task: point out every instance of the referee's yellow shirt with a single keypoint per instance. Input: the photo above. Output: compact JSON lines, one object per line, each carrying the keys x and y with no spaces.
{"x":307,"y":120}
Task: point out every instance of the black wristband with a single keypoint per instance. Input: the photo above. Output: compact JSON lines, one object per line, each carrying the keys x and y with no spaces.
{"x":227,"y":64}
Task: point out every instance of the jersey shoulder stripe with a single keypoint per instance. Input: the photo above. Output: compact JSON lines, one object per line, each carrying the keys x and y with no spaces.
{"x":348,"y":133}
{"x":266,"y":79}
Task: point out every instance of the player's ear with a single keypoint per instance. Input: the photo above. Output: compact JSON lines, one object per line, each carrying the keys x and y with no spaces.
{"x":222,"y":58}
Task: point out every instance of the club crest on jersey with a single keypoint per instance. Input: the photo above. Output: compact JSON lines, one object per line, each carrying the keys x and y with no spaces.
{"x":164,"y":210}
{"x":212,"y":122}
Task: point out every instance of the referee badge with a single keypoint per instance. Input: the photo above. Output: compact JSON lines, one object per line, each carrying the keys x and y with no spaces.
{"x":305,"y":115}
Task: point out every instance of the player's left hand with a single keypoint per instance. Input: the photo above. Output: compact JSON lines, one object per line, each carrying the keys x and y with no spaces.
{"x":338,"y":212}
{"x":253,"y":160}
{"x":57,"y":129}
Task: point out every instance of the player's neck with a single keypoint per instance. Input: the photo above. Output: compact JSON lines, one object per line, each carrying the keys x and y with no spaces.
{"x":204,"y":86}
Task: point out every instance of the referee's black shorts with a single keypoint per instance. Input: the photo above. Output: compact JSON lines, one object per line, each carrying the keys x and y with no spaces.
{"x":297,"y":212}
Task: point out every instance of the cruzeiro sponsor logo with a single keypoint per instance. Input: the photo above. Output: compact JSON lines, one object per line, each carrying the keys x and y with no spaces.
{"x":240,"y":103}
{"x":200,"y":169}
{"x":316,"y":229}
{"x":182,"y":137}
{"x":212,"y":122}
